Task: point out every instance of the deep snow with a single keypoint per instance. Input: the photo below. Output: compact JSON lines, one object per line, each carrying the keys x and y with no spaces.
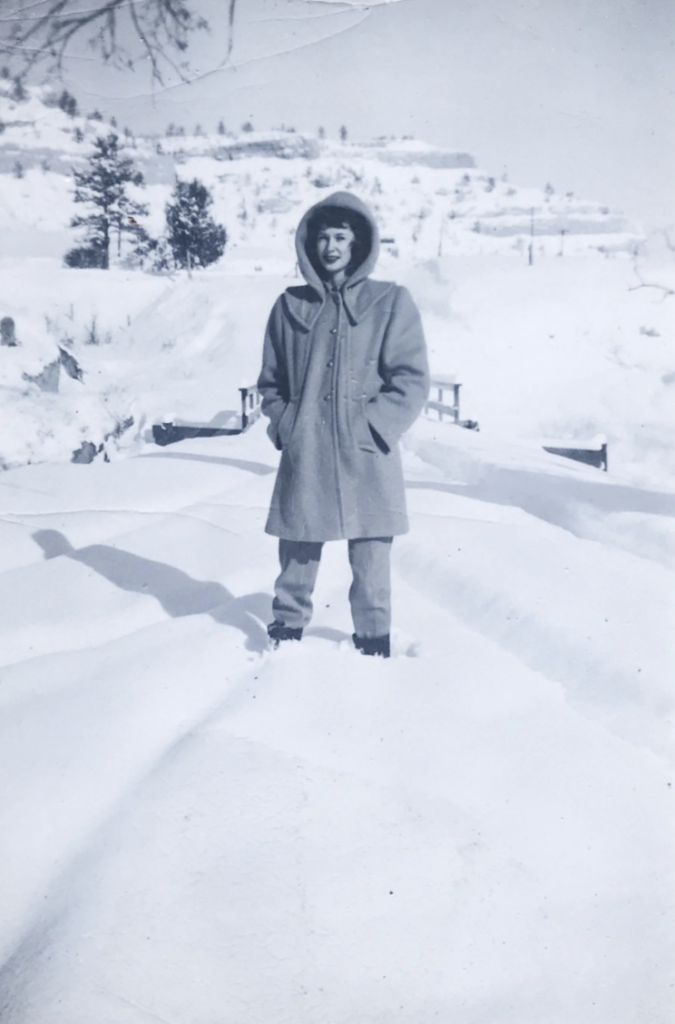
{"x":565,"y":349}
{"x":197,"y":830}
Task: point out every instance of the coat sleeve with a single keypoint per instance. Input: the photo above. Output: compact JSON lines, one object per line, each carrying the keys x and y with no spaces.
{"x":404,"y":371}
{"x":273,"y":380}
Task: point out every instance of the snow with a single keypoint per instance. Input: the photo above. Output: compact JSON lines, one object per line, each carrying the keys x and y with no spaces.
{"x":196,"y":829}
{"x":201,"y":830}
{"x":563,"y":350}
{"x":431,"y":200}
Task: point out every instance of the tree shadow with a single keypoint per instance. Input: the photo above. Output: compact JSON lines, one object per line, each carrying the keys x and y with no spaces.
{"x":178,"y":593}
{"x":555,"y":499}
{"x":259,"y":468}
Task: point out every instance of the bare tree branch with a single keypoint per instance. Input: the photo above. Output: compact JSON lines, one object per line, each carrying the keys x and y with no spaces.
{"x":43,"y":32}
{"x":669,"y":242}
{"x":650,"y":284}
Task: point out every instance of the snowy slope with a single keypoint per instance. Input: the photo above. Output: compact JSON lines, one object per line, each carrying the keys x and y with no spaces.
{"x":200,"y":831}
{"x":563,"y":349}
{"x":430,"y":201}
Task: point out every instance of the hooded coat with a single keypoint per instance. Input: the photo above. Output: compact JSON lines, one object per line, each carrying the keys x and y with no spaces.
{"x":344,"y":375}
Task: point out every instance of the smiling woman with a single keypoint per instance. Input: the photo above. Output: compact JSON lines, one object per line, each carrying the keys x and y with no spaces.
{"x":344,"y":375}
{"x":338,"y":241}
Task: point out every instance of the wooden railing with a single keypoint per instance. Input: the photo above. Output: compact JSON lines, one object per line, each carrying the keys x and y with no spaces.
{"x":169,"y":432}
{"x":250,"y":406}
{"x":593,"y":453}
{"x":442,"y":385}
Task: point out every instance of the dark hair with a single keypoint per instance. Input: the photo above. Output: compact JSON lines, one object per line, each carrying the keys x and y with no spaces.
{"x":338,"y":217}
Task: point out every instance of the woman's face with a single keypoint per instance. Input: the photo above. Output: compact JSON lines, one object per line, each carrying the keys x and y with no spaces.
{"x":334,"y":248}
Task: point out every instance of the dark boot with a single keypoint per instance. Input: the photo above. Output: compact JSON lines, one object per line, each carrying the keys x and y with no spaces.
{"x":277,"y":632}
{"x":374,"y":645}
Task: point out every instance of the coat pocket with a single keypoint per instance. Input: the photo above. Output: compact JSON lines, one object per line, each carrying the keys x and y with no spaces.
{"x":364,"y":435}
{"x":285,"y":426}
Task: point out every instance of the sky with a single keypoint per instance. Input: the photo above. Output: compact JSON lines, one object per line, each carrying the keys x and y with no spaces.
{"x":578,"y":94}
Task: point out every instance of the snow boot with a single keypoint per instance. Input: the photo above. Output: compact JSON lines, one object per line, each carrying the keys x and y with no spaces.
{"x":277,"y":632}
{"x":374,"y":645}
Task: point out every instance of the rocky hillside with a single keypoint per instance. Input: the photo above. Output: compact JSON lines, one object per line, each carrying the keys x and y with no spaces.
{"x":429,"y":201}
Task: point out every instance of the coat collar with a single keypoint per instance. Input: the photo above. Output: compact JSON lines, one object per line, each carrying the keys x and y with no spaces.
{"x":304,"y":303}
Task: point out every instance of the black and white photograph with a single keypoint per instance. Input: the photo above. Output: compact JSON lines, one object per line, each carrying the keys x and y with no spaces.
{"x":337,"y":511}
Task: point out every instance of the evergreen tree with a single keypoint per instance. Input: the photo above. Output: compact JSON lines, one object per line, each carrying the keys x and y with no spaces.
{"x":19,"y":94}
{"x":103,"y":188}
{"x":343,"y":134}
{"x":193,"y":236}
{"x":68,"y":103}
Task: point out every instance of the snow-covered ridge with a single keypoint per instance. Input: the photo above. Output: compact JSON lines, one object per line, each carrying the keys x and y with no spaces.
{"x":430,"y":200}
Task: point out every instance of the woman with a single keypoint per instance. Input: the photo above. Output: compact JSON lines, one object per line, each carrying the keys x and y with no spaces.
{"x":344,"y":375}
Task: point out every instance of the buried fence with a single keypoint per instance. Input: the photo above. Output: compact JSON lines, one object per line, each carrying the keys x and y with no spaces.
{"x":168,"y":432}
{"x":592,"y":453}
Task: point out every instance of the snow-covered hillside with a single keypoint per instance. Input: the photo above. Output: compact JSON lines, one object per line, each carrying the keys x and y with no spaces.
{"x":430,"y":202}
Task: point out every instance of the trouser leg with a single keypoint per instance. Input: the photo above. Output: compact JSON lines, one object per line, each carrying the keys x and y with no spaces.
{"x":299,"y":560}
{"x":370,"y":592}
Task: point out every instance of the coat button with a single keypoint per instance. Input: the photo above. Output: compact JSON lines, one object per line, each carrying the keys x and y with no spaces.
{"x":329,"y":363}
{"x":326,"y":398}
{"x":333,"y":330}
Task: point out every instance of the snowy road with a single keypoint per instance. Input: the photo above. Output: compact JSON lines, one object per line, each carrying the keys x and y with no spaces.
{"x":197,"y":831}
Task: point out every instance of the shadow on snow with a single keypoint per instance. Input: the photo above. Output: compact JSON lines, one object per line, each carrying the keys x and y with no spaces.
{"x":259,"y":468}
{"x":556,"y":500}
{"x":178,"y":593}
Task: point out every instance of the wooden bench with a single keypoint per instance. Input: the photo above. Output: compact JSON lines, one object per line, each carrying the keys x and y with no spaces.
{"x":168,"y":433}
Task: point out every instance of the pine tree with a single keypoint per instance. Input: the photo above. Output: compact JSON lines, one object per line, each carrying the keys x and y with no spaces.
{"x":193,"y":236}
{"x":68,"y":103}
{"x":343,"y":134}
{"x":19,"y":94}
{"x":103,"y":188}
